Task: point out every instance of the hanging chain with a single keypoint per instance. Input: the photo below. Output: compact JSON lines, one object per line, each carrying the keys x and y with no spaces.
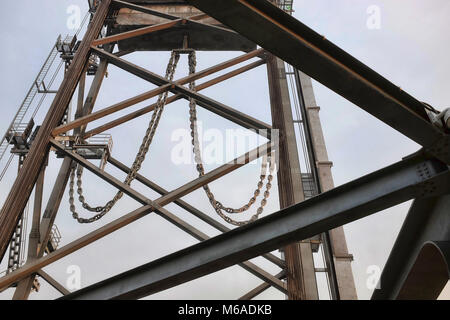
{"x":143,"y":150}
{"x":218,"y":207}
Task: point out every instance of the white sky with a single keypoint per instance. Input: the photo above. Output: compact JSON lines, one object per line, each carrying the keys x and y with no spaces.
{"x":410,"y":49}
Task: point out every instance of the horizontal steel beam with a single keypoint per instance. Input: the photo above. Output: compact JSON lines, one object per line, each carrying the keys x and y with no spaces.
{"x":143,"y":9}
{"x":427,"y":220}
{"x":276,"y":31}
{"x":51,"y":281}
{"x":377,"y":191}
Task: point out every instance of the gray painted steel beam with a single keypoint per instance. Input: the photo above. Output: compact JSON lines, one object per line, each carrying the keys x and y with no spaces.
{"x":276,"y":31}
{"x":427,"y":220}
{"x":390,"y":186}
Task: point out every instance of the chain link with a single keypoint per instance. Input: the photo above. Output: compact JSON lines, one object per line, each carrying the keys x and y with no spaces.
{"x":143,"y":150}
{"x":218,"y":206}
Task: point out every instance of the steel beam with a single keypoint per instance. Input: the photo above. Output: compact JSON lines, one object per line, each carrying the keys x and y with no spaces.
{"x":255,"y":270}
{"x":276,"y":31}
{"x":427,"y":220}
{"x":150,"y":108}
{"x":156,"y":205}
{"x":208,"y":103}
{"x":51,"y":281}
{"x":261,"y":288}
{"x":143,"y":9}
{"x":152,"y":93}
{"x":377,"y":191}
{"x":26,"y":178}
{"x":24,"y":287}
{"x":186,"y":206}
{"x":137,"y":32}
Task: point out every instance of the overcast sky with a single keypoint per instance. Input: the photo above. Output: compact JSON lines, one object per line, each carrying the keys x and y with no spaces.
{"x":410,"y":48}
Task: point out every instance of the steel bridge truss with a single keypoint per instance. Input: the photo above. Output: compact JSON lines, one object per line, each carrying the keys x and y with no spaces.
{"x":418,"y":264}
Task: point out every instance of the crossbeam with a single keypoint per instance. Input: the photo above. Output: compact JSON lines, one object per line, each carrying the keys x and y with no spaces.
{"x":32,"y":267}
{"x":164,"y":87}
{"x":377,"y":191}
{"x":176,"y":97}
{"x":225,"y":111}
{"x":186,"y":206}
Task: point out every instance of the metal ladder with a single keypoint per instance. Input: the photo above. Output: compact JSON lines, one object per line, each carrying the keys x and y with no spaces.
{"x":35,"y":88}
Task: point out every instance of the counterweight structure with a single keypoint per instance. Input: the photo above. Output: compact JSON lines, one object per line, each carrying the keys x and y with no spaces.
{"x":312,"y":210}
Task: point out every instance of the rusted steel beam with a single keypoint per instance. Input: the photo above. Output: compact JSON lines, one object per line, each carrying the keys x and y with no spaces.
{"x":189,"y":208}
{"x":300,"y":274}
{"x":206,"y":102}
{"x":31,"y":268}
{"x":250,"y":267}
{"x":152,"y":93}
{"x":150,"y":108}
{"x":26,"y":178}
{"x":143,"y":9}
{"x":137,"y":32}
{"x":51,"y":281}
{"x":261,"y":288}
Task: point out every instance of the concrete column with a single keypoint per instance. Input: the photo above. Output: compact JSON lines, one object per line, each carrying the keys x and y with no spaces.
{"x":342,"y":258}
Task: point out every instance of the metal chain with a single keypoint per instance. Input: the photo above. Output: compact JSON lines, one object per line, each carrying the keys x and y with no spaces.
{"x":218,"y":207}
{"x":143,"y":150}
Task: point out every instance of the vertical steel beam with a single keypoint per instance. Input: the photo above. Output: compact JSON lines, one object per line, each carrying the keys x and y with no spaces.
{"x":338,"y":258}
{"x":20,"y":191}
{"x":300,"y":274}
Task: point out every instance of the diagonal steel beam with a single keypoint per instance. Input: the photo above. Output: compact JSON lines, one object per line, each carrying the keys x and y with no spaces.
{"x":136,"y":32}
{"x":427,"y":220}
{"x":29,"y":269}
{"x":208,"y":103}
{"x":51,"y":281}
{"x":186,"y":206}
{"x":306,"y":50}
{"x":150,"y":108}
{"x":362,"y":197}
{"x":261,"y":288}
{"x":166,"y":214}
{"x":152,"y":93}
